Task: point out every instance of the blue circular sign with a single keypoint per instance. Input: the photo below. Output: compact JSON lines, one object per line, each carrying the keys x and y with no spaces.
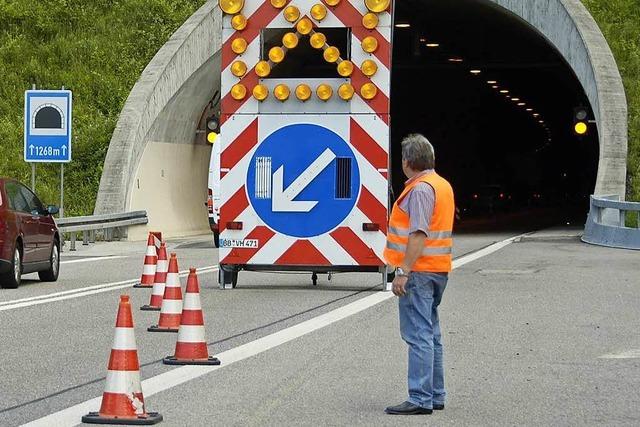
{"x":303,"y":180}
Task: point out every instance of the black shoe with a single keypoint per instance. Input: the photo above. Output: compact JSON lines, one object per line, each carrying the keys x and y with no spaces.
{"x":438,"y":406}
{"x":407,"y":408}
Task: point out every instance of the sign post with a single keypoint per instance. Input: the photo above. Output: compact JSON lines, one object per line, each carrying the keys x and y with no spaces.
{"x":47,"y":130}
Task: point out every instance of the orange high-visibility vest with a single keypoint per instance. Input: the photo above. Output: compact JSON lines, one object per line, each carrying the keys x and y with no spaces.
{"x":436,"y":256}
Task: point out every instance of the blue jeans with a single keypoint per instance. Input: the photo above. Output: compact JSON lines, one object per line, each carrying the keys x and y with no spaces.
{"x":420,"y":329}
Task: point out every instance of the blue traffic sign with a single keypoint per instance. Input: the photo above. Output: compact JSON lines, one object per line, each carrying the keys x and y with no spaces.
{"x":303,"y":180}
{"x":47,"y":126}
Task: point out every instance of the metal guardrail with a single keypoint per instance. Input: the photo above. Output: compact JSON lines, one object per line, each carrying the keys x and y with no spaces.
{"x":89,"y":225}
{"x":606,"y":223}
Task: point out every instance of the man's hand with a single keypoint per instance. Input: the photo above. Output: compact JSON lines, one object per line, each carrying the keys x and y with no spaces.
{"x":399,"y":283}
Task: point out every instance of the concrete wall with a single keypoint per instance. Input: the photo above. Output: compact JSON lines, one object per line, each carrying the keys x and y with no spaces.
{"x":155,"y":133}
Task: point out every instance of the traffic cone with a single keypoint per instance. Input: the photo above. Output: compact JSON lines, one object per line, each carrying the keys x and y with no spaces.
{"x":171,"y":308}
{"x":159,"y":282}
{"x":191,"y":347}
{"x":150,"y":261}
{"x":122,"y":401}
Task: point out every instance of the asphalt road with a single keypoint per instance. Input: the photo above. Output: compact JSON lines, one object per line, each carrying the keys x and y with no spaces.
{"x":525,"y":331}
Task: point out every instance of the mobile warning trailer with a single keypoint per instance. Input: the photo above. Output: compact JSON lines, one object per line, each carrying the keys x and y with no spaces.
{"x":304,"y":141}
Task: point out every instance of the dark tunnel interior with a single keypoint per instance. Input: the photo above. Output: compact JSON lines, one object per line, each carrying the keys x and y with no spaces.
{"x":513,"y":158}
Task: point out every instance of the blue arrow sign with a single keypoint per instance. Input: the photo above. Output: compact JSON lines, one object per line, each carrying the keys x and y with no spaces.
{"x":303,"y":180}
{"x":47,"y":126}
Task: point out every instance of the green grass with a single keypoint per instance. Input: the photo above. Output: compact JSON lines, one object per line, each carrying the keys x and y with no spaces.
{"x":98,"y":49}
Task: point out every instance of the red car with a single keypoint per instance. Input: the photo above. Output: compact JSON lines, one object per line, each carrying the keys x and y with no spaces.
{"x":29,"y":237}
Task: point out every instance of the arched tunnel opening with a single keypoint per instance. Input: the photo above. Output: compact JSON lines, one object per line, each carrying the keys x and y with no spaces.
{"x":497,"y":102}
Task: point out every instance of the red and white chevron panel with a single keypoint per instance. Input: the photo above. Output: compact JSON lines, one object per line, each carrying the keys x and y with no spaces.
{"x":363,"y":124}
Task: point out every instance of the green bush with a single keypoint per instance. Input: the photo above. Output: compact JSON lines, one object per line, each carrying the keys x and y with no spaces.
{"x":98,"y":49}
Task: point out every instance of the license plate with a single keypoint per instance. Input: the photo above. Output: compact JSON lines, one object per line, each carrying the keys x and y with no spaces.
{"x":235,"y":243}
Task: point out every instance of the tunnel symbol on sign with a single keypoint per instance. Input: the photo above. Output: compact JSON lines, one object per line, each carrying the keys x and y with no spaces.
{"x":48,"y":116}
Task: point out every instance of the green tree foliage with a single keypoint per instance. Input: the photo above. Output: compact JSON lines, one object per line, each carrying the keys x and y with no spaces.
{"x":98,"y":49}
{"x":620,"y":23}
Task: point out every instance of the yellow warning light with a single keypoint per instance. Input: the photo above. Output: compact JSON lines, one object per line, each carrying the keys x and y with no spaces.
{"x":324,"y":92}
{"x":263,"y":69}
{"x":377,"y":6}
{"x":369,"y":44}
{"x":231,"y":7}
{"x":278,"y":3}
{"x":290,"y":40}
{"x":304,"y":26}
{"x":303,"y":92}
{"x":331,"y":54}
{"x":345,"y":68}
{"x":318,"y":40}
{"x":346,"y":91}
{"x":291,"y":13}
{"x":581,"y":128}
{"x":239,"y":68}
{"x":281,"y":92}
{"x":319,"y":12}
{"x":369,"y":67}
{"x":332,"y":2}
{"x":238,"y":92}
{"x":239,"y":46}
{"x":276,"y":54}
{"x":260,"y":92}
{"x":368,"y":91}
{"x":239,"y":22}
{"x":370,"y":21}
{"x":211,"y":137}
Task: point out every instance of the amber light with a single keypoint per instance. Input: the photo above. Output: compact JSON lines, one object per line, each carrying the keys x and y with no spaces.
{"x":291,"y":13}
{"x":370,"y":21}
{"x":239,"y":46}
{"x":260,"y":92}
{"x":369,"y":67}
{"x":331,"y":54}
{"x":276,"y":54}
{"x":238,"y":92}
{"x":324,"y":92}
{"x":304,"y":26}
{"x":346,"y":91}
{"x":281,"y":92}
{"x":368,"y":91}
{"x":231,"y":7}
{"x":318,"y":40}
{"x":345,"y":68}
{"x":290,"y":40}
{"x":263,"y":69}
{"x":239,"y":68}
{"x":303,"y":92}
{"x":239,"y":22}
{"x":377,"y":6}
{"x":318,"y":12}
{"x":369,"y":44}
{"x":332,"y":2}
{"x":278,"y":3}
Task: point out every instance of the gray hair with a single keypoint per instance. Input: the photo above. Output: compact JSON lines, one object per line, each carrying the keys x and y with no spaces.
{"x":418,"y":152}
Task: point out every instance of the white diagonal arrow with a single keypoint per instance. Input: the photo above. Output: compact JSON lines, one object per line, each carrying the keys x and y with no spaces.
{"x":282,"y":200}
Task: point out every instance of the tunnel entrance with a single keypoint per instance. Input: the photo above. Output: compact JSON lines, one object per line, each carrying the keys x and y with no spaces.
{"x":497,"y":102}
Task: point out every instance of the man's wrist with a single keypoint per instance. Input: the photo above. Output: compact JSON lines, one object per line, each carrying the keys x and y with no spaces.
{"x":402,"y":271}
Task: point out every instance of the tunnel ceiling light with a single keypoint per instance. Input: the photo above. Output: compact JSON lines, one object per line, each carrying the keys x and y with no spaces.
{"x":541,"y":122}
{"x":370,"y":21}
{"x":239,"y":22}
{"x":303,"y":92}
{"x":403,"y":25}
{"x":515,"y":99}
{"x":475,"y":72}
{"x":422,"y":40}
{"x":377,"y":6}
{"x":492,"y":82}
{"x":504,"y":91}
{"x":231,"y":7}
{"x":529,"y":109}
{"x":521,"y":104}
{"x":455,"y":60}
{"x":346,"y":91}
{"x":318,"y":40}
{"x":536,"y":115}
{"x":495,"y":86}
{"x":433,"y":45}
{"x":318,"y":12}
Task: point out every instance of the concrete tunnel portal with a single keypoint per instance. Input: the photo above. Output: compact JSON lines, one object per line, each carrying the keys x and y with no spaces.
{"x":510,"y":155}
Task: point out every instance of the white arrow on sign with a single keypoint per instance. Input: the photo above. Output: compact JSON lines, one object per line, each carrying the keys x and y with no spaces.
{"x":282,"y":200}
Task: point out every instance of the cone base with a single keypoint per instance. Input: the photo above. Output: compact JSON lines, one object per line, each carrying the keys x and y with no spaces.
{"x":95,"y":418}
{"x":142,"y":286}
{"x":156,"y":328}
{"x":149,"y":308}
{"x":171,"y":360}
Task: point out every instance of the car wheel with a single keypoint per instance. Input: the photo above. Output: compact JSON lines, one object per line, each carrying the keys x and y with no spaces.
{"x":51,"y":275}
{"x":12,"y":278}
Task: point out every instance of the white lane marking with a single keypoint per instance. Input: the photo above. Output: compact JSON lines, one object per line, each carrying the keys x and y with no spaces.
{"x":630,"y":354}
{"x":175,"y":377}
{"x":99,"y":258}
{"x":81,"y":292}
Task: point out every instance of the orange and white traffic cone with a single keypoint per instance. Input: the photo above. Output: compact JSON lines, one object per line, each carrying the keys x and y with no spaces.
{"x":171,"y":308}
{"x":150,"y":261}
{"x":122,"y":401}
{"x":191,"y":347}
{"x":162,"y":267}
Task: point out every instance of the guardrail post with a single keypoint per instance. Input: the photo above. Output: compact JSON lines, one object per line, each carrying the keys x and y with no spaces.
{"x":92,"y":236}
{"x":623,"y":218}
{"x":73,"y":242}
{"x":85,"y":238}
